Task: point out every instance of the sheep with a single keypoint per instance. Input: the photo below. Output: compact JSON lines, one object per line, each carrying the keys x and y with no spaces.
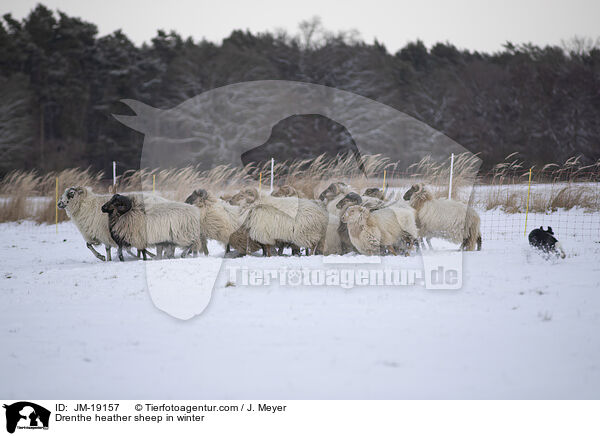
{"x":363,"y":232}
{"x":443,"y":218}
{"x":288,"y":191}
{"x":374,"y":192}
{"x":353,"y":199}
{"x":395,"y":228}
{"x":244,"y":197}
{"x":297,"y":221}
{"x":219,"y":219}
{"x":132,"y":223}
{"x":332,"y":243}
{"x":332,"y":194}
{"x":83,"y":208}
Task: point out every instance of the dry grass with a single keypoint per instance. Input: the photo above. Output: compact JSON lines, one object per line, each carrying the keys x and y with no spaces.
{"x":553,"y":186}
{"x":28,"y":195}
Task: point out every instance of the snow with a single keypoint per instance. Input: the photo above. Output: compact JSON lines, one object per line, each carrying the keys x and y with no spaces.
{"x":74,"y":327}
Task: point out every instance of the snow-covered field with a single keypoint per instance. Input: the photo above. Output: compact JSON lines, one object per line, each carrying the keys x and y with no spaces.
{"x":74,"y":327}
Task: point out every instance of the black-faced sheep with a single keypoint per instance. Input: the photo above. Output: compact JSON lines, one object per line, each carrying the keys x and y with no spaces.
{"x":443,"y":218}
{"x":133,"y":223}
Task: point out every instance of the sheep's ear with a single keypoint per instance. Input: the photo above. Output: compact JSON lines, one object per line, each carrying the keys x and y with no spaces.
{"x":79,"y":190}
{"x":550,"y":230}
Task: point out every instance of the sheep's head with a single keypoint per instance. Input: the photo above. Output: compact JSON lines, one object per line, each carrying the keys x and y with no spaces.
{"x":332,"y":191}
{"x":374,"y":192}
{"x":70,"y":196}
{"x":285,"y":191}
{"x":355,"y":214}
{"x":117,"y":205}
{"x":198,"y":197}
{"x":413,"y":189}
{"x":351,"y":199}
{"x":244,"y":197}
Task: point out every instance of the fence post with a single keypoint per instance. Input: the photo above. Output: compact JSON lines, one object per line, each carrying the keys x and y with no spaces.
{"x":272,"y":164}
{"x":153,"y":182}
{"x":56,"y":207}
{"x":451,"y":171}
{"x":114,"y":173}
{"x":384,"y":174}
{"x":527,"y":208}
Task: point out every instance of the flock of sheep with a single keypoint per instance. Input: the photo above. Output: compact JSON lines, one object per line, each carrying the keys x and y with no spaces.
{"x":339,"y":221}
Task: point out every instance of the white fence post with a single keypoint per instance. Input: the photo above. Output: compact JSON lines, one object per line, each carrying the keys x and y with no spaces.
{"x":114,"y":173}
{"x":451,"y":170}
{"x":272,"y":165}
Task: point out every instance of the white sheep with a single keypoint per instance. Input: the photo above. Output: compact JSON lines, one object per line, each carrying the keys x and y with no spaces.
{"x":298,"y":221}
{"x":390,"y":229}
{"x":332,"y":194}
{"x":362,"y":230}
{"x":332,"y":244}
{"x":219,"y":219}
{"x":443,"y":218}
{"x":133,"y":223}
{"x":83,"y":208}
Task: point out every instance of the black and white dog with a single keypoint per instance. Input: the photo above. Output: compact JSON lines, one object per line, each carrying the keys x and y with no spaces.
{"x":545,"y":241}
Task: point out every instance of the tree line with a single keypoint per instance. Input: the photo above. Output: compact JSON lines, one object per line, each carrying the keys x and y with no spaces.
{"x":60,"y":82}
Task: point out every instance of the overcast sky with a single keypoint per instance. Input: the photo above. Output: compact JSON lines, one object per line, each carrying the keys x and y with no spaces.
{"x":475,"y":25}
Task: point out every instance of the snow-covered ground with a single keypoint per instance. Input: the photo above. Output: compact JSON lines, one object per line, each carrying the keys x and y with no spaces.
{"x":74,"y":327}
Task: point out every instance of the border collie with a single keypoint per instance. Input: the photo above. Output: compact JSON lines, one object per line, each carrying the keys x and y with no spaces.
{"x":545,"y":241}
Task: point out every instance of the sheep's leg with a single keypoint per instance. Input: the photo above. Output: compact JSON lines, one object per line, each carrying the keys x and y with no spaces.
{"x":417,"y":246}
{"x":479,"y":243}
{"x":93,"y":250}
{"x":149,"y":253}
{"x":159,"y":251}
{"x":295,"y":250}
{"x":108,"y":255}
{"x":429,"y":243}
{"x":204,"y":245}
{"x":391,"y":250}
{"x":120,"y":253}
{"x":227,"y":248}
{"x":144,"y":254}
{"x":280,"y":248}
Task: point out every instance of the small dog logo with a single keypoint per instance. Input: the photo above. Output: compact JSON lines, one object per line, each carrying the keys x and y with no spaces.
{"x":26,"y":415}
{"x":545,"y":241}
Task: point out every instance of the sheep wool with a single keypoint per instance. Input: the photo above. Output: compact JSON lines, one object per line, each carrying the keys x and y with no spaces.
{"x":443,"y":218}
